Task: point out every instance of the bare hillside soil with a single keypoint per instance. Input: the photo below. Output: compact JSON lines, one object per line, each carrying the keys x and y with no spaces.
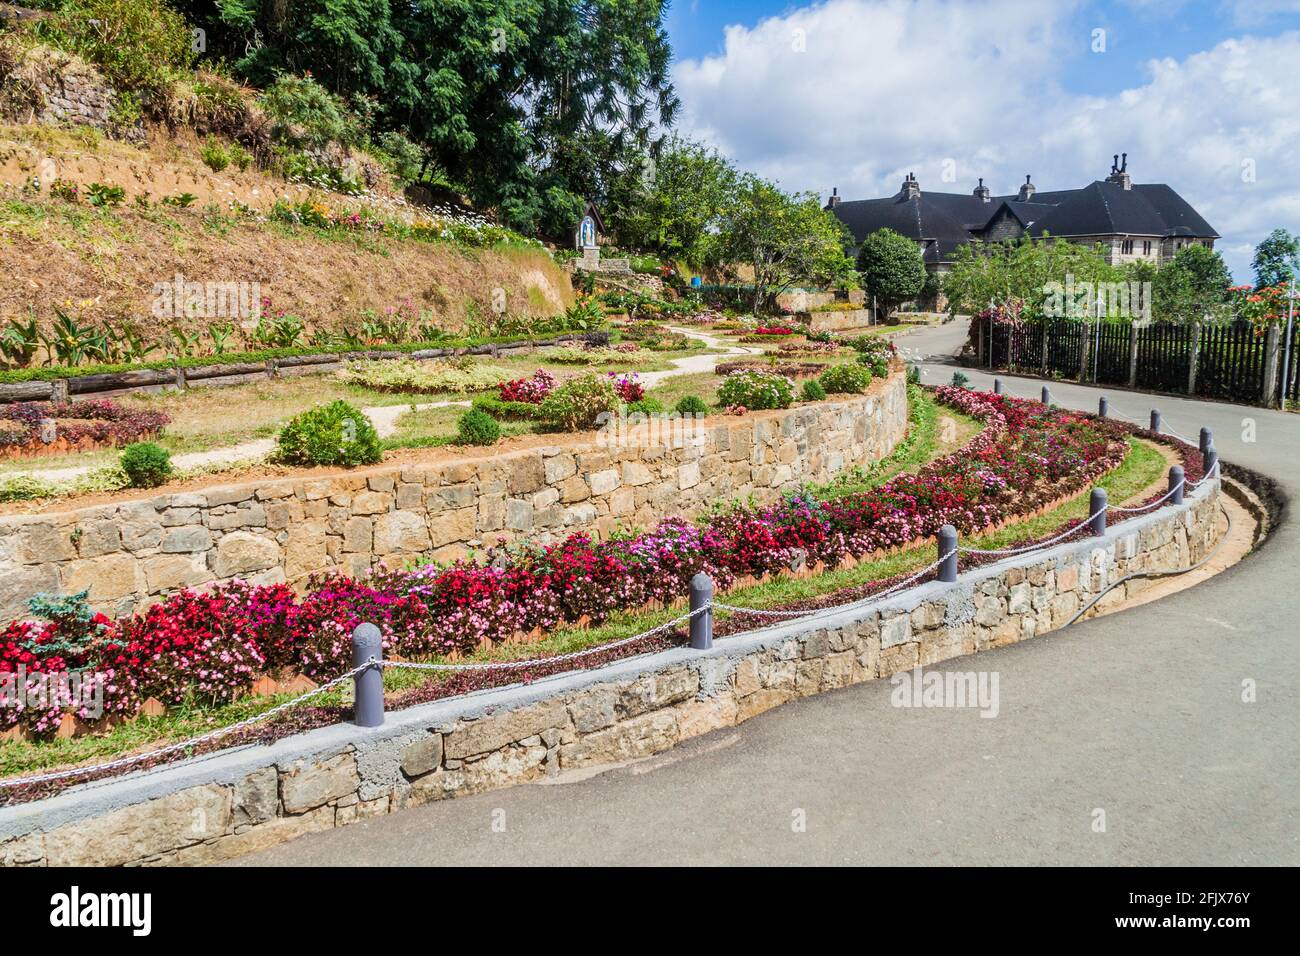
{"x":104,"y":264}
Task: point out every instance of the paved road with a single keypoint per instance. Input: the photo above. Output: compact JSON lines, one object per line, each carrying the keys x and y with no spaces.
{"x":1138,"y":714}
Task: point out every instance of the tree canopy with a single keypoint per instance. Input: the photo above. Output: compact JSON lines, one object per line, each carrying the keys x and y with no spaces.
{"x":1193,"y":285}
{"x":681,"y":204}
{"x":892,"y":268}
{"x":1024,"y":274}
{"x":526,"y":105}
{"x":784,"y":237}
{"x":1277,"y":259}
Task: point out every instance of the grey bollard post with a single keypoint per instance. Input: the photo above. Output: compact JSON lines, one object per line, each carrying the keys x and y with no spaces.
{"x":1047,"y":395}
{"x":702,"y":623}
{"x":368,"y":708}
{"x":1155,"y":420}
{"x":997,"y":386}
{"x":947,"y":544}
{"x":1207,"y":439}
{"x":1103,"y":407}
{"x":1211,"y":458}
{"x":1176,"y":486}
{"x":1097,"y":503}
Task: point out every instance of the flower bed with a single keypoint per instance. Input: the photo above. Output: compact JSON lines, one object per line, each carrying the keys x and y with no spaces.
{"x":72,"y":426}
{"x":208,"y":648}
{"x":409,"y":375}
{"x":530,"y":390}
{"x":788,"y":369}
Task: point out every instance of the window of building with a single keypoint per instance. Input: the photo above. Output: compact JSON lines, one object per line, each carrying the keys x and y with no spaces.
{"x":1146,"y":247}
{"x":1126,"y":247}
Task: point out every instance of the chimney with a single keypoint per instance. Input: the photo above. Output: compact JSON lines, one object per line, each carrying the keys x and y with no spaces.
{"x":835,"y":198}
{"x":911,"y":188}
{"x":1027,"y":190}
{"x":982,"y":191}
{"x":1119,"y":171}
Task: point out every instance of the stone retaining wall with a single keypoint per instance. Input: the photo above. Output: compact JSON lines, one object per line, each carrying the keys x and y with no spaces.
{"x":838,"y":320}
{"x":223,"y":805}
{"x":131,"y":553}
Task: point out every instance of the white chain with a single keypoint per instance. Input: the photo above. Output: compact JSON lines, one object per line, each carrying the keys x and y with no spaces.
{"x":535,"y":661}
{"x":1041,"y":544}
{"x":1165,"y":429}
{"x":193,"y":741}
{"x":1151,"y":504}
{"x":871,"y":598}
{"x":1212,"y":473}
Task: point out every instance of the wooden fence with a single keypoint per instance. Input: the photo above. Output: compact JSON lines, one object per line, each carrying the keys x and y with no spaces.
{"x":1232,"y":362}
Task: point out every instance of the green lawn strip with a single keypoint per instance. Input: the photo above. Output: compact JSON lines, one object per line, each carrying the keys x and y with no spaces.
{"x":700,"y":384}
{"x":915,"y":450}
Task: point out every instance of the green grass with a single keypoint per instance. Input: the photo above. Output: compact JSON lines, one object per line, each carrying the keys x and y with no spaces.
{"x":925,"y":441}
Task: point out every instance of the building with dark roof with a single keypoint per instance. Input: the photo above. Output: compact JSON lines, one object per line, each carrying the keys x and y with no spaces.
{"x":1130,"y":221}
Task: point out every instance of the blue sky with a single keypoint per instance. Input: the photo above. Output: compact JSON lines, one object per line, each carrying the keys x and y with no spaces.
{"x":854,"y":93}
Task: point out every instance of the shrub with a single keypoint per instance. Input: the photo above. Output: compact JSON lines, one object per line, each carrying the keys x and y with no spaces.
{"x":240,"y":156}
{"x":333,"y":434}
{"x":577,"y":405}
{"x":146,"y":465}
{"x":105,"y":194}
{"x":812,"y":391}
{"x":756,"y":390}
{"x":647,"y":406}
{"x":477,"y":427}
{"x":306,"y":115}
{"x":137,"y":44}
{"x":499,"y":409}
{"x":960,"y":380}
{"x":64,"y":189}
{"x":851,"y":378}
{"x":214,"y":155}
{"x":691,"y":405}
{"x":408,"y":375}
{"x":879,"y":366}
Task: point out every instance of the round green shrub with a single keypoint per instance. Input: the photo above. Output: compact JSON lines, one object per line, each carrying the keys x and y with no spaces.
{"x":477,"y":427}
{"x":578,"y":404}
{"x":333,"y":434}
{"x":691,"y":405}
{"x":756,"y":389}
{"x":647,"y":406}
{"x":812,"y":391}
{"x":879,"y":366}
{"x":850,"y":377}
{"x":146,"y":465}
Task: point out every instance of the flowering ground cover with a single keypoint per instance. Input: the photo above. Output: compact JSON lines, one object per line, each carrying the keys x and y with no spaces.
{"x":75,"y":425}
{"x":206,"y":648}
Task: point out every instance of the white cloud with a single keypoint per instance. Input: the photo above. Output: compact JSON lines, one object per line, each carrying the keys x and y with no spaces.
{"x":882,"y":87}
